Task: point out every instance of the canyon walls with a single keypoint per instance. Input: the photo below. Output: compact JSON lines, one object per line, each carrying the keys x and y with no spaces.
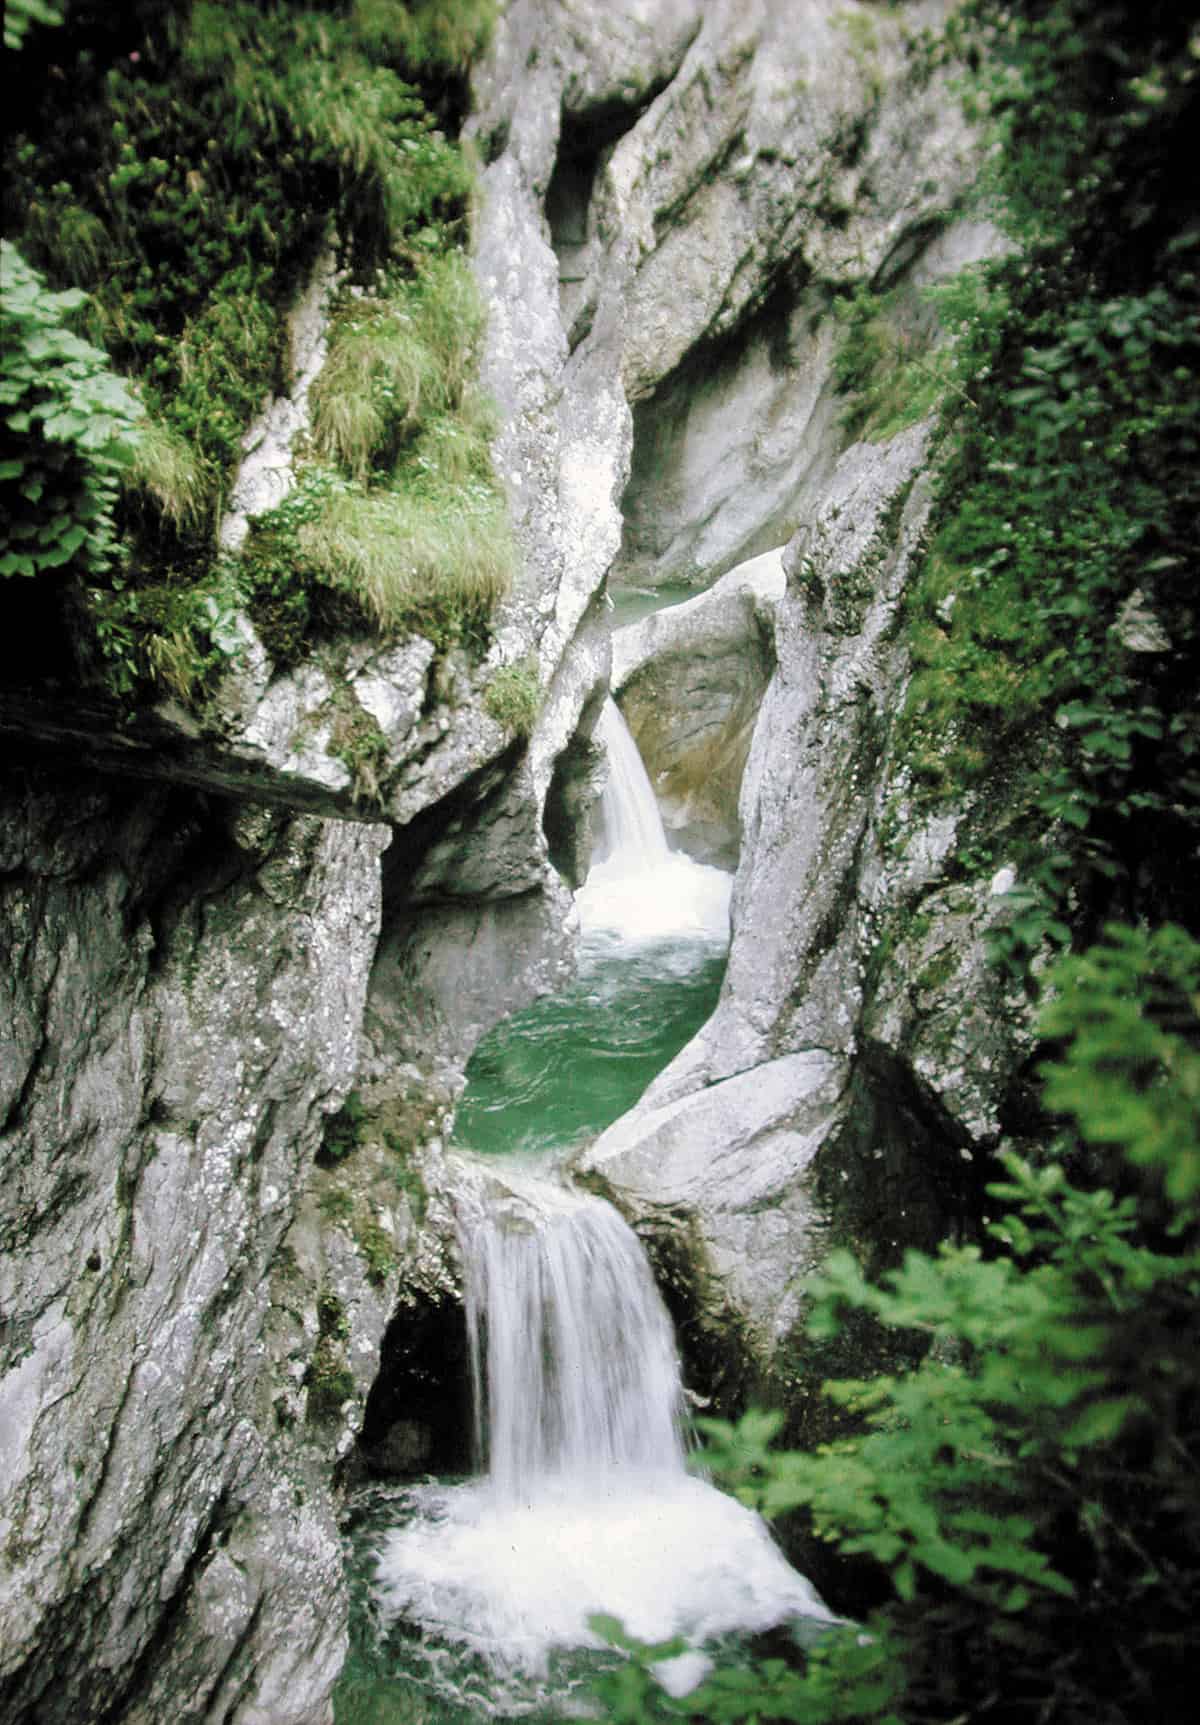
{"x":220,"y":937}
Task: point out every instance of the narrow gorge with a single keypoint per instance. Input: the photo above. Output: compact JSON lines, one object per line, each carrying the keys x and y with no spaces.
{"x":447,"y":1052}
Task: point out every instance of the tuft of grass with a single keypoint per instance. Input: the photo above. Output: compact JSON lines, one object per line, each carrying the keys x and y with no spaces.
{"x":514,"y":697}
{"x":428,"y":37}
{"x":435,"y":557}
{"x":168,"y":471}
{"x":395,"y":362}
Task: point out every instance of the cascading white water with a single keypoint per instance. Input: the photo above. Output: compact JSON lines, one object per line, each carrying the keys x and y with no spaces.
{"x":640,"y":890}
{"x":587,"y":1506}
{"x":630,"y":825}
{"x":572,"y":1351}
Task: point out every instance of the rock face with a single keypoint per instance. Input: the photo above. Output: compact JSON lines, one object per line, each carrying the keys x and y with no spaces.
{"x":184,"y":988}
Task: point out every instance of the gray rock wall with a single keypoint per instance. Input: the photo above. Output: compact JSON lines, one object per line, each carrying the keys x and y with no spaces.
{"x":862,"y":1045}
{"x":184,"y":982}
{"x":690,"y":680}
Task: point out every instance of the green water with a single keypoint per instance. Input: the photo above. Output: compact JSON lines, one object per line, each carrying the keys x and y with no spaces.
{"x":569,"y":1065}
{"x":541,"y":1082}
{"x":631,"y":604}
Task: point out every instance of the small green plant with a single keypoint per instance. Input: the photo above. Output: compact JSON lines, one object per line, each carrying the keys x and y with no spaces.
{"x":429,"y":557}
{"x":886,"y":366}
{"x":167,"y":472}
{"x":328,"y":1379}
{"x":377,"y":1247}
{"x":514,"y":697}
{"x":336,"y":1205}
{"x":343,"y":1132}
{"x":21,"y":15}
{"x":70,"y":429}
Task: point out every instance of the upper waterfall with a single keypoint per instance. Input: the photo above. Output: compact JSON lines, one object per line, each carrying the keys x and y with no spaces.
{"x":638,"y":889}
{"x":631,"y":826}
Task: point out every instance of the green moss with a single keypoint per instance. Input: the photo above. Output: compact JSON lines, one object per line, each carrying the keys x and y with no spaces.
{"x":377,"y":1247}
{"x":886,"y":366}
{"x":336,"y":1205}
{"x":357,"y":741}
{"x":328,"y":1378}
{"x":934,"y":975}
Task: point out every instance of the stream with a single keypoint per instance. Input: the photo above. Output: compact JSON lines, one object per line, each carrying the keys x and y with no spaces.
{"x":472,"y":1598}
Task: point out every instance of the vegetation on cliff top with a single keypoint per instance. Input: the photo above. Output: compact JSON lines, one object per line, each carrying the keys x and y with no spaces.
{"x":179,"y":169}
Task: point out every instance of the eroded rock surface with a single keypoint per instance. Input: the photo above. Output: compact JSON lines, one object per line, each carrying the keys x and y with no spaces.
{"x":184,"y":984}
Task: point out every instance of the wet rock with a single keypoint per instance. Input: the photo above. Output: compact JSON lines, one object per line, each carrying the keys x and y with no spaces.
{"x":186,"y":988}
{"x":859,"y":1017}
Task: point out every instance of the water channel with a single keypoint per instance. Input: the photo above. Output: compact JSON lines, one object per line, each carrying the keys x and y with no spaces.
{"x":474,"y":1596}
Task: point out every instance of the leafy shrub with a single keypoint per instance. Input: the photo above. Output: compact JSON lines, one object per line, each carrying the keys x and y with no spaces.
{"x":189,"y":184}
{"x":71,"y":427}
{"x":1031,"y":1489}
{"x":1071,"y":489}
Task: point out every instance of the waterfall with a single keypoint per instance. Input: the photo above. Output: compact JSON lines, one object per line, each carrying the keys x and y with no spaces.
{"x":638,"y":890}
{"x":631,"y":826}
{"x":587,"y":1504}
{"x":573,"y":1354}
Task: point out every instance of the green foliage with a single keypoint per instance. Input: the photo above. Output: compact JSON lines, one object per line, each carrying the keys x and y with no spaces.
{"x":514,"y":697}
{"x":886,"y":365}
{"x":429,"y":555}
{"x":1031,"y":1488}
{"x":175,"y":638}
{"x":397,"y":362}
{"x":1052,"y":623}
{"x":343,"y":1131}
{"x":19,"y":18}
{"x":189,"y":184}
{"x":1131,"y":1078}
{"x":426,"y":37}
{"x":378,"y":1248}
{"x":328,"y":1379}
{"x":70,"y":429}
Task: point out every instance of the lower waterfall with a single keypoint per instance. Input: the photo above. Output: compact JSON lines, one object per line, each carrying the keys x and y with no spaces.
{"x":584,"y":1503}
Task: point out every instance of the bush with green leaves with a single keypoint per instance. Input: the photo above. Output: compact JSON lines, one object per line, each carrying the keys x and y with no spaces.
{"x":21,"y":15}
{"x":186,"y":171}
{"x":71,"y":428}
{"x":1055,"y":638}
{"x":1032,"y":1488}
